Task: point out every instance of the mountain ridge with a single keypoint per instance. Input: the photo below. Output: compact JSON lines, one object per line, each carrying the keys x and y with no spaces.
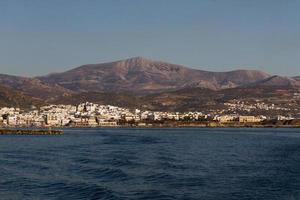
{"x":145,"y":75}
{"x":136,"y":80}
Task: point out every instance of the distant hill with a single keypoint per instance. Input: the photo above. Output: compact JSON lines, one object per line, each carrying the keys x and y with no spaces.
{"x":9,"y":97}
{"x":140,"y":75}
{"x":278,"y":81}
{"x":33,"y":87}
{"x":148,"y":84}
{"x":297,"y":78}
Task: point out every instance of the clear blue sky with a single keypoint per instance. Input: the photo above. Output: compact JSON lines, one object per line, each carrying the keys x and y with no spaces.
{"x":40,"y":36}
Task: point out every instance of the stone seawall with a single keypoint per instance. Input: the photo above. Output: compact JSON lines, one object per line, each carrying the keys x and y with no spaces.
{"x":30,"y":132}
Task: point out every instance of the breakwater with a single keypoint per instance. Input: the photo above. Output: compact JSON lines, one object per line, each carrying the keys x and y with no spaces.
{"x":30,"y":132}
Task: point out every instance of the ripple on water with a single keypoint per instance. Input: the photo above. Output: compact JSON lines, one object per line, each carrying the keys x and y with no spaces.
{"x":105,"y":174}
{"x":78,"y":190}
{"x":151,"y":194}
{"x":191,"y":164}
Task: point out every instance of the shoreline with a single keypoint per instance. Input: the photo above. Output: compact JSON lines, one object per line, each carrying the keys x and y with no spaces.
{"x":46,"y":129}
{"x":43,"y":131}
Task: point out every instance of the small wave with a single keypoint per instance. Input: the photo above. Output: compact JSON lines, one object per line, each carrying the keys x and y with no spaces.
{"x":102,"y":174}
{"x":160,"y":178}
{"x":78,"y":190}
{"x":151,"y":195}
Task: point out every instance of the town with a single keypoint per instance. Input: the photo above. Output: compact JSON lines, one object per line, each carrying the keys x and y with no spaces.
{"x":94,"y":115}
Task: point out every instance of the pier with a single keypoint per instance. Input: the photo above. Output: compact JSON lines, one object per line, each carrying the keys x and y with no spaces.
{"x":30,"y":132}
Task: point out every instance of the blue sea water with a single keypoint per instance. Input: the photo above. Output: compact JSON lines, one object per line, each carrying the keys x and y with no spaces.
{"x":208,"y":164}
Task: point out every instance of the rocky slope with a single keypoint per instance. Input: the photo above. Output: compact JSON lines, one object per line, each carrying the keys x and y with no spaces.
{"x":144,"y":83}
{"x":278,"y":81}
{"x":10,"y":97}
{"x":33,"y":87}
{"x":140,"y":75}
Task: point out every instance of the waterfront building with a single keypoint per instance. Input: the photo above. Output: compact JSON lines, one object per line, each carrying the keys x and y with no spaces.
{"x":250,"y":119}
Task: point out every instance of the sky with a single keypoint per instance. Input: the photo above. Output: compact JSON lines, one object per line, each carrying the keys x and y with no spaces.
{"x":39,"y":37}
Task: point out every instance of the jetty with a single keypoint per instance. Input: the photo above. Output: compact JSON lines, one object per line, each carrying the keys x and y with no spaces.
{"x":30,"y":132}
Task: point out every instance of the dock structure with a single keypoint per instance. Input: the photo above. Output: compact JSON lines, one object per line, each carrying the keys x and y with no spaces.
{"x":30,"y":132}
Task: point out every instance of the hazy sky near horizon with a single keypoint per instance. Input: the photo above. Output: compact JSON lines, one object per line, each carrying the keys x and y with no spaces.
{"x":39,"y":37}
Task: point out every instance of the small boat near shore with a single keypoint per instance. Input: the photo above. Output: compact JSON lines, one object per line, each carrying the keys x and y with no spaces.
{"x":30,"y":132}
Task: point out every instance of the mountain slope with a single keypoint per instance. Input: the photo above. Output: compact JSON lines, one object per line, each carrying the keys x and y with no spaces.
{"x":297,"y":78}
{"x":140,"y":75}
{"x":144,"y":83}
{"x":278,"y":81}
{"x":201,"y":99}
{"x":115,"y":99}
{"x":32,"y":87}
{"x":9,"y":97}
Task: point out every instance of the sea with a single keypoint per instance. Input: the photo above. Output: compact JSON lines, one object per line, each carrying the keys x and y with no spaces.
{"x":154,"y":164}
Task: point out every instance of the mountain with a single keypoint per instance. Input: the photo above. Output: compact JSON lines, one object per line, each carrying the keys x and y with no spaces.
{"x":148,"y":84}
{"x":143,"y":76}
{"x":9,"y":97}
{"x":278,"y":81}
{"x":297,"y":78}
{"x":32,"y":87}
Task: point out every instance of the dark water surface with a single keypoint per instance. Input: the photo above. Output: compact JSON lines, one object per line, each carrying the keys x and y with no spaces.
{"x":208,"y":164}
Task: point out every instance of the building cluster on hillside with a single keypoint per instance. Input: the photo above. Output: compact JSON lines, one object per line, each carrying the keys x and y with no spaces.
{"x":243,"y":106}
{"x":93,"y":115}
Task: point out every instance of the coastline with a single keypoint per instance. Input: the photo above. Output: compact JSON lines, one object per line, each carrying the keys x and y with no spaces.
{"x":57,"y":128}
{"x":60,"y":130}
